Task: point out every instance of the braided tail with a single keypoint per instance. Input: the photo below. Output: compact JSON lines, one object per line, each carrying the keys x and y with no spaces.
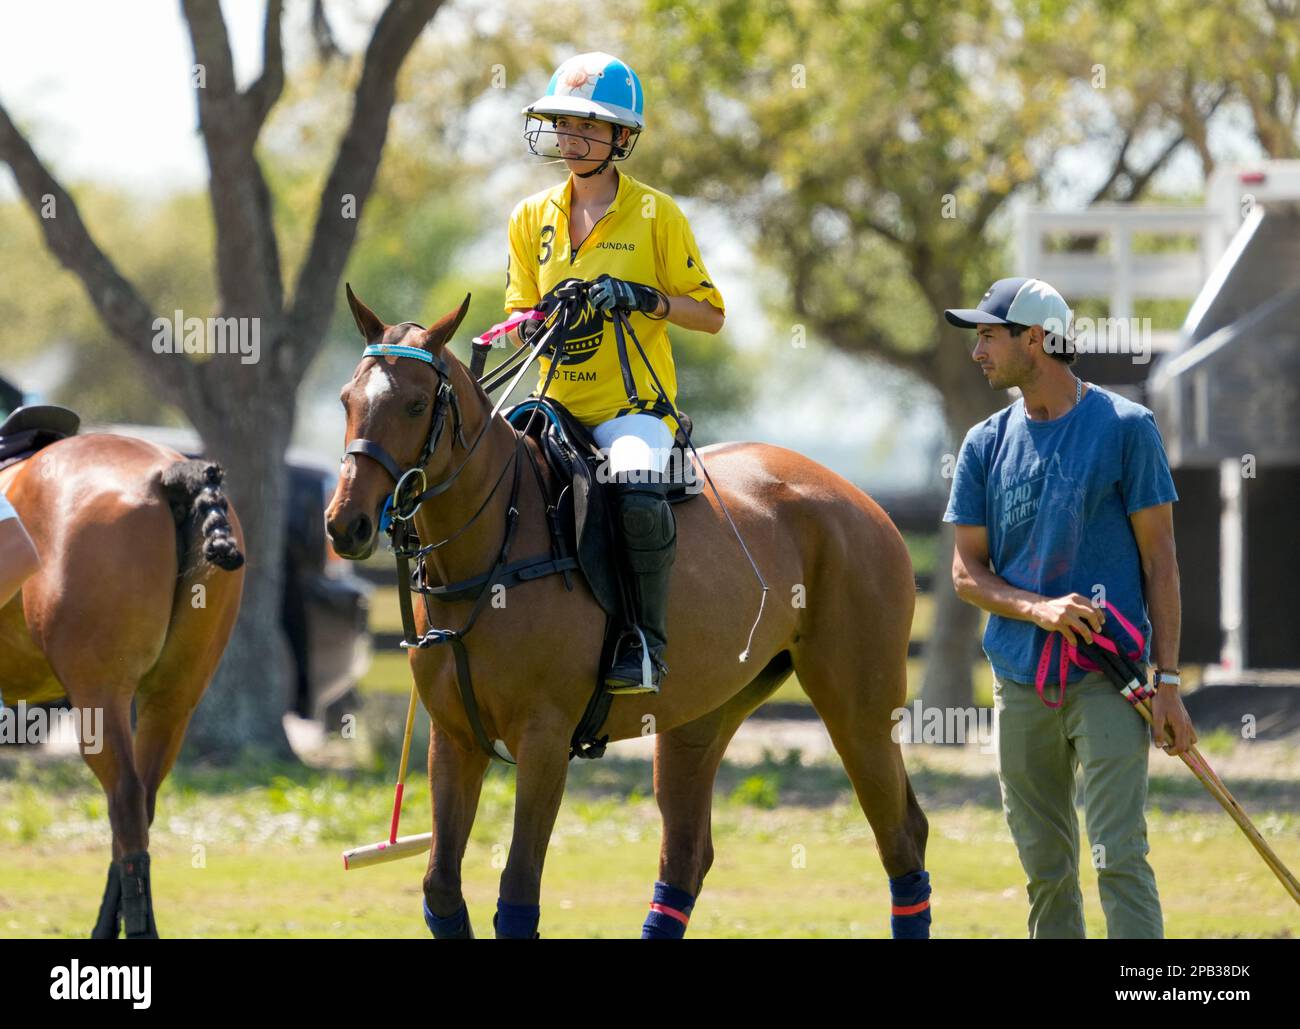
{"x":193,"y":489}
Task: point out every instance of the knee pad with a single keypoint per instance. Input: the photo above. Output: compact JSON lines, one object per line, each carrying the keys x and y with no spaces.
{"x":649,"y":528}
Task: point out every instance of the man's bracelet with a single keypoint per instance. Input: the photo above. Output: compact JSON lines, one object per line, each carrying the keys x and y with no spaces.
{"x":1168,"y":677}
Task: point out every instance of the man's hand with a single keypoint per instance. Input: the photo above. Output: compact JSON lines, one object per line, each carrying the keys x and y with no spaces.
{"x":1168,"y":713}
{"x":1068,"y":615}
{"x":608,"y":293}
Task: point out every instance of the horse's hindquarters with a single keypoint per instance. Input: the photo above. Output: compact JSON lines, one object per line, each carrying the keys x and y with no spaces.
{"x":838,"y":574}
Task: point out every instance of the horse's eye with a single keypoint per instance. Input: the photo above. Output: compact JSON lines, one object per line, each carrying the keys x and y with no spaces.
{"x":417,"y":408}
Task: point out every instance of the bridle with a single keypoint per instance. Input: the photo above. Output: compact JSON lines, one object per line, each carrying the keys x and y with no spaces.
{"x":411,"y":487}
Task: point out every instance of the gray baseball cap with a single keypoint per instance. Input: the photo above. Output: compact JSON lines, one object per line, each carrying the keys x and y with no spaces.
{"x":1017,"y":301}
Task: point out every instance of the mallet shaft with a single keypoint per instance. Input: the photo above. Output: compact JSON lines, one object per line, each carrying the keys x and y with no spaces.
{"x":1211,"y":781}
{"x":1130,"y":681}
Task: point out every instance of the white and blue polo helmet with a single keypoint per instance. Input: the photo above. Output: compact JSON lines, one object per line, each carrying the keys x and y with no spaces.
{"x":597,"y":86}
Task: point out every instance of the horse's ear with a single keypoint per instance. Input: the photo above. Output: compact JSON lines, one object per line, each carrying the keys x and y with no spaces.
{"x":372,"y":329}
{"x":437,"y":336}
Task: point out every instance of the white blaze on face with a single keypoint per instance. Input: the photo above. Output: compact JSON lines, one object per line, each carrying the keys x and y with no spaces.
{"x":379,"y":385}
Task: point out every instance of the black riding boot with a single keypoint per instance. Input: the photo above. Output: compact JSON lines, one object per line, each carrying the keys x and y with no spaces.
{"x":650,"y":543}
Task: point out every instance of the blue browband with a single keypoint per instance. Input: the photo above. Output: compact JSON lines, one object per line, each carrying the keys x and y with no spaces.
{"x":397,"y":350}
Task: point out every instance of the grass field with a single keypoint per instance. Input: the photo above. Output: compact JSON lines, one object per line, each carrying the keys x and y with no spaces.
{"x":255,"y":851}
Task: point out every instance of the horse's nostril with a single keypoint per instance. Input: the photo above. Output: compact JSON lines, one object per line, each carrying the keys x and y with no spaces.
{"x":361,"y":529}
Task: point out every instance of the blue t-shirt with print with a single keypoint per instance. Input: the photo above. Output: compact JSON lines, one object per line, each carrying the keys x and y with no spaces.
{"x":1055,"y":496}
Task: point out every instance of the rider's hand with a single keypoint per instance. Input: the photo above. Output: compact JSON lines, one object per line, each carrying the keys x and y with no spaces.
{"x":607,"y":293}
{"x":1168,"y":712}
{"x":1069,"y":615}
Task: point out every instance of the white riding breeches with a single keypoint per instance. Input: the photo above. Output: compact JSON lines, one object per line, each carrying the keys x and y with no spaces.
{"x":635,"y":442}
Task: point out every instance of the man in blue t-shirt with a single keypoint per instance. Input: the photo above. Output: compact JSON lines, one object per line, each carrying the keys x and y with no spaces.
{"x":1060,"y":502}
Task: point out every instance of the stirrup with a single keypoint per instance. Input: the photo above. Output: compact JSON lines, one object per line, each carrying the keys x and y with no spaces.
{"x":647,"y":683}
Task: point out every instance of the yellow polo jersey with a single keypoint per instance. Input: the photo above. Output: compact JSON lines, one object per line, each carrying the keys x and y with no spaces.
{"x":643,"y":237}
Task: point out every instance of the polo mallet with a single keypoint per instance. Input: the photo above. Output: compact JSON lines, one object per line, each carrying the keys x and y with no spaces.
{"x":1130,"y":681}
{"x":394,"y":847}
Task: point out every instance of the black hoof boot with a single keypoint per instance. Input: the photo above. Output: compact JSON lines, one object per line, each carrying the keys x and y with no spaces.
{"x":109,"y":925}
{"x":137,"y":898}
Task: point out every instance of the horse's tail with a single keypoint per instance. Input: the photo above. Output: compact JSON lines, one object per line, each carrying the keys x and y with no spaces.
{"x":193,"y":489}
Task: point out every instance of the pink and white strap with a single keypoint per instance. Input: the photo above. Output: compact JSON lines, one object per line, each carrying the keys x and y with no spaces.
{"x":1070,"y":654}
{"x":501,"y":328}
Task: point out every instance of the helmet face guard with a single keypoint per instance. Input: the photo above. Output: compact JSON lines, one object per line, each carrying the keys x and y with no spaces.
{"x":544,"y":140}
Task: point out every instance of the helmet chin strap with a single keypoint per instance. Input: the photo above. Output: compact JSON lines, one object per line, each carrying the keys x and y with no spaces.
{"x":613,"y":149}
{"x":594,"y":171}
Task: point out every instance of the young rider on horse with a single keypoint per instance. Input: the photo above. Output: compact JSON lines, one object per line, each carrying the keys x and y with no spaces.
{"x":636,"y":248}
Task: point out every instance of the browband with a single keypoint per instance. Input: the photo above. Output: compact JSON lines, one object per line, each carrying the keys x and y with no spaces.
{"x":397,"y":350}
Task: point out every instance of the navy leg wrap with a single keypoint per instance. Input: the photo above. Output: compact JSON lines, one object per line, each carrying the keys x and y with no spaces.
{"x":453,"y":927}
{"x":670,"y":910}
{"x":516,"y":921}
{"x":910,"y":913}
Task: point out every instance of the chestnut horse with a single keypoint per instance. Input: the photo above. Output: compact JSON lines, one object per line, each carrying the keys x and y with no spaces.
{"x":843,"y":594}
{"x":135,"y":599}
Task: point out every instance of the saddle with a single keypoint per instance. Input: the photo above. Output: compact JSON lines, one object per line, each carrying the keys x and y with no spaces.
{"x":581,"y":505}
{"x":30,"y":428}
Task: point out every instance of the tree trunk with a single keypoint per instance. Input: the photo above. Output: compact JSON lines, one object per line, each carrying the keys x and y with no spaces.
{"x":953,"y":646}
{"x":245,"y":704}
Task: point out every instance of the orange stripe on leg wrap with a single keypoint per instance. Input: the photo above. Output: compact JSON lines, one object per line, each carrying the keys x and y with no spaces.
{"x":664,"y":909}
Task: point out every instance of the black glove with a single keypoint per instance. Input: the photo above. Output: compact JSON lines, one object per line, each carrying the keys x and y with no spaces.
{"x":608,"y":293}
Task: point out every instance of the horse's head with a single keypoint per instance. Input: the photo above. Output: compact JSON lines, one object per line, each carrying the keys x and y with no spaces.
{"x":402,"y":414}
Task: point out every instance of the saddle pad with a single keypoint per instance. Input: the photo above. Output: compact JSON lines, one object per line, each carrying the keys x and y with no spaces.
{"x":22,"y":445}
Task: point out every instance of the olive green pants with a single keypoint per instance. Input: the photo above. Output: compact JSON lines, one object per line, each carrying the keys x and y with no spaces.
{"x":1097,"y":733}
